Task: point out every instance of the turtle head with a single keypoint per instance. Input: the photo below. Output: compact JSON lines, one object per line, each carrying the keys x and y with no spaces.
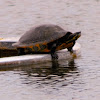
{"x":74,"y":36}
{"x":77,"y":35}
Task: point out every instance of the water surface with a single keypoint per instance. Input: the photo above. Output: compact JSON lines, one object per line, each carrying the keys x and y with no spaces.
{"x":73,"y":79}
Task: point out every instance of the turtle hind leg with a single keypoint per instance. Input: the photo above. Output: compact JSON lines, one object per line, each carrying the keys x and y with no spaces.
{"x":53,"y":51}
{"x":21,"y":51}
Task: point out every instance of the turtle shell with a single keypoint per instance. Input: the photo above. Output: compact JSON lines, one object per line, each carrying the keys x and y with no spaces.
{"x":41,"y":34}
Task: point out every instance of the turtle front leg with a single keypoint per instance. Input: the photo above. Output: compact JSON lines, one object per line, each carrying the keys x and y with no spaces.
{"x":70,"y":49}
{"x":53,"y":52}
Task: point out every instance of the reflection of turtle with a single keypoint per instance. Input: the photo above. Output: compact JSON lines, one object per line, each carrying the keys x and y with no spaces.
{"x":46,"y":39}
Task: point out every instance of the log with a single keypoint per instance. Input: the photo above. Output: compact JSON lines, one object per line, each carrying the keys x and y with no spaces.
{"x":31,"y":58}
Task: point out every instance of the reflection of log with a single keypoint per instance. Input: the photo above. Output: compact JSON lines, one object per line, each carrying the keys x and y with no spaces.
{"x":6,"y":49}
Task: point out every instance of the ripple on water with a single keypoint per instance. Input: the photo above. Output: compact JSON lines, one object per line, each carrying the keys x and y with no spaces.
{"x":77,"y":79}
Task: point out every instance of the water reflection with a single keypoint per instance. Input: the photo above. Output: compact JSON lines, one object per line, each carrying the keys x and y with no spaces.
{"x":55,"y":67}
{"x":50,"y":73}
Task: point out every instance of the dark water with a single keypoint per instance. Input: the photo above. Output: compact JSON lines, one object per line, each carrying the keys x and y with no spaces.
{"x":73,"y":79}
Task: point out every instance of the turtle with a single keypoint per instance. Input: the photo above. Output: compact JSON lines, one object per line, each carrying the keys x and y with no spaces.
{"x":46,"y":38}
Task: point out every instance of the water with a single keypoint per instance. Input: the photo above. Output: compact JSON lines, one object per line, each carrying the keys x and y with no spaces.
{"x":74,"y":79}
